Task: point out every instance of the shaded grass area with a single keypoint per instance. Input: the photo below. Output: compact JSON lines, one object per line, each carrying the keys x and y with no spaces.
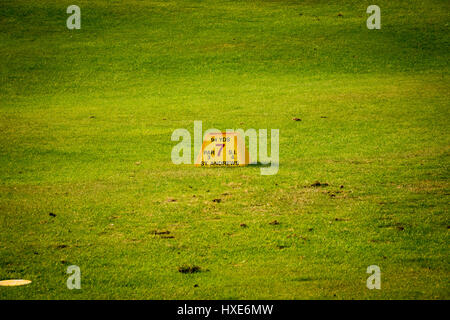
{"x":86,"y":176}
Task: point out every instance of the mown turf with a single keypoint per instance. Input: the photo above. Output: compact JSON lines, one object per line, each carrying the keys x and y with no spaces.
{"x":86,"y":118}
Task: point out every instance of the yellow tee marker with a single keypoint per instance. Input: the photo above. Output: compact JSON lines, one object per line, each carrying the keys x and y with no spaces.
{"x":223,"y":149}
{"x":14,"y":282}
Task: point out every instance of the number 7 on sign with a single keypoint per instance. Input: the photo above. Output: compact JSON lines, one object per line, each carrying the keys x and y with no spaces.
{"x":220,"y":150}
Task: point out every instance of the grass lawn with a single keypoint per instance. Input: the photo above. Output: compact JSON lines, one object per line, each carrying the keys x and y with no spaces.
{"x":86,"y":176}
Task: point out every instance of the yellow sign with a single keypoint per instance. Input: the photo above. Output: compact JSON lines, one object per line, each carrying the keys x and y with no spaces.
{"x":223,"y":149}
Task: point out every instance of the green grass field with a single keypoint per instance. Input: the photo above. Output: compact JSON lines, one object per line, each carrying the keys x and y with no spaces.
{"x":86,"y":177}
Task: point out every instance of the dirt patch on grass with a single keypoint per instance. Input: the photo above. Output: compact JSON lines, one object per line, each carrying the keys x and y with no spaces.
{"x":156,"y":232}
{"x":189,"y":269}
{"x":319,"y":184}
